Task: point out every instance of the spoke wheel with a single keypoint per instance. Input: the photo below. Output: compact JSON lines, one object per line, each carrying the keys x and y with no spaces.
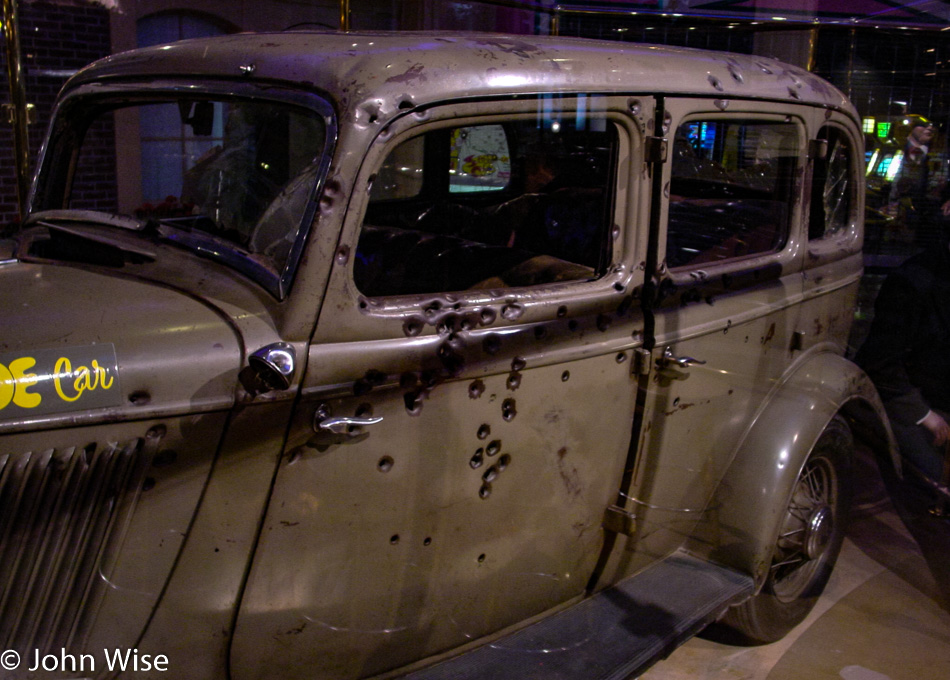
{"x":806,"y":546}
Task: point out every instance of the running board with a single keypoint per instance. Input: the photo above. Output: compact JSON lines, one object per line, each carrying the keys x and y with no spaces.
{"x":613,"y":635}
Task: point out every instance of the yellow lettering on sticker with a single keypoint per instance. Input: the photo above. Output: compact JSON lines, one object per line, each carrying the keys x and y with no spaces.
{"x":7,"y":387}
{"x":21,"y":396}
{"x":84,"y":378}
{"x":64,"y":369}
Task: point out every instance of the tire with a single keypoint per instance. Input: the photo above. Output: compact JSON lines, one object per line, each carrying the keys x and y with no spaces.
{"x":807,"y":544}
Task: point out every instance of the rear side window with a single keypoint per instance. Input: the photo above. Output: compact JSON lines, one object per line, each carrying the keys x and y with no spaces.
{"x":730,"y":190}
{"x":833,"y":186}
{"x":520,"y":203}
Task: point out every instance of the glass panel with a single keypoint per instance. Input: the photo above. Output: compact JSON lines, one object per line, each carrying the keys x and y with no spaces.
{"x":526,"y":202}
{"x":243,"y":172}
{"x":730,"y":193}
{"x":832,"y":191}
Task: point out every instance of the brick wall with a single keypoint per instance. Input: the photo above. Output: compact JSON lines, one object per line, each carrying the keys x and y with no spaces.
{"x":56,"y":39}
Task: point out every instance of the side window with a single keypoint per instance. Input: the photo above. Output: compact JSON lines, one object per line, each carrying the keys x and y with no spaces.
{"x":832,"y":192}
{"x":520,"y":203}
{"x":731,"y":190}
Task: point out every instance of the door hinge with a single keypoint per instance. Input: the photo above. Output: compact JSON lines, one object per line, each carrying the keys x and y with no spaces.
{"x":655,"y":149}
{"x":620,"y":521}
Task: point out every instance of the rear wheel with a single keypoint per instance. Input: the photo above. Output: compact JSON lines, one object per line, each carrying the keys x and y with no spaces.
{"x":807,"y":544}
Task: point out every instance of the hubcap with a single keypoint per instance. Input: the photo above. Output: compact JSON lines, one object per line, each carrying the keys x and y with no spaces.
{"x":818,"y":532}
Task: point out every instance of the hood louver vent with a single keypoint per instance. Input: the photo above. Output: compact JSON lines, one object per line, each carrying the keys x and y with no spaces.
{"x":59,"y":511}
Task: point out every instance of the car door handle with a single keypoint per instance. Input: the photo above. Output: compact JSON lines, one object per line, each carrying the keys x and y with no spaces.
{"x":346,"y":425}
{"x":669,"y":359}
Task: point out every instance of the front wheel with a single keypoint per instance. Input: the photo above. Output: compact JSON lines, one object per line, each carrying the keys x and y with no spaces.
{"x":807,"y":544}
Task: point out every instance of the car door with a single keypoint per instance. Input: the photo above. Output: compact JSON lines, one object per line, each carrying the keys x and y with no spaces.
{"x":467,"y":409}
{"x":726,"y":314}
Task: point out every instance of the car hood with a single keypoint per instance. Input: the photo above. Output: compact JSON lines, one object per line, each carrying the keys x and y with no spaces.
{"x":80,"y":345}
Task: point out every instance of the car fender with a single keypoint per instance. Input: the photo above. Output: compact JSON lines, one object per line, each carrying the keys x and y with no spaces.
{"x":749,"y":504}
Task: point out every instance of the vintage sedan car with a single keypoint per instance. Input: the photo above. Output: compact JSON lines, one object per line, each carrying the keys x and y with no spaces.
{"x":338,"y":355}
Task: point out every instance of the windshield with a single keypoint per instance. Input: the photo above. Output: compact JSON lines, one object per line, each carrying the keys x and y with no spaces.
{"x":230,"y":178}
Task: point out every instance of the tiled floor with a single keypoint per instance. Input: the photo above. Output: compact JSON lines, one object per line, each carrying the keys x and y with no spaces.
{"x":885,"y":614}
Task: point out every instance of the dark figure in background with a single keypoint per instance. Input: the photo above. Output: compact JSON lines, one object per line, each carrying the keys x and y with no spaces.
{"x":920,"y":192}
{"x":907,"y":356}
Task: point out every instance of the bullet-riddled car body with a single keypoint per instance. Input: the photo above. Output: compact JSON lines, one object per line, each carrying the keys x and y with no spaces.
{"x":426,"y":355}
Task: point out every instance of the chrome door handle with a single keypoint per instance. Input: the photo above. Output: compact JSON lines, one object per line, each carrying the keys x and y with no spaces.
{"x":350,"y":426}
{"x":345,"y":425}
{"x":669,"y":359}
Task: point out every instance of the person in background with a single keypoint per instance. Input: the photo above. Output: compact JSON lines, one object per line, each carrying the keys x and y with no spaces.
{"x":907,"y":356}
{"x":920,"y":193}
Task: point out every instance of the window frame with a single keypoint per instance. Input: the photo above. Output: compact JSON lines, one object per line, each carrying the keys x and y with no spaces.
{"x":504,"y":113}
{"x":787,"y":185}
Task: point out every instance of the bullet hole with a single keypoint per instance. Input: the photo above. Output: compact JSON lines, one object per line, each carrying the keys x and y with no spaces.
{"x":637,"y":336}
{"x":413,"y":402}
{"x":491,"y":345}
{"x":481,"y":558}
{"x":363,"y":305}
{"x":512,"y":311}
{"x":140,"y":398}
{"x":603,"y":322}
{"x":476,"y":389}
{"x":477,"y":460}
{"x":676,"y":401}
{"x":427,"y":541}
{"x":615,"y":232}
{"x":493,"y":448}
{"x":413,"y":326}
{"x":405,"y":104}
{"x":508,"y":410}
{"x":165,"y":458}
{"x":385,"y":464}
{"x":621,"y":357}
{"x":618,"y":287}
{"x":491,"y":474}
{"x":432,"y":310}
{"x":485,"y":491}
{"x":484,"y":431}
{"x":572,"y":325}
{"x":486,"y":316}
{"x":446,"y":326}
{"x":343,"y":255}
{"x":156,"y":432}
{"x":518,"y":364}
{"x":716,"y":83}
{"x":394,"y":539}
{"x":148,"y":484}
{"x":514,"y":381}
{"x":469,"y":322}
{"x":371,"y":379}
{"x":561,"y":312}
{"x":540,"y":332}
{"x":565,"y":376}
{"x":503,"y":462}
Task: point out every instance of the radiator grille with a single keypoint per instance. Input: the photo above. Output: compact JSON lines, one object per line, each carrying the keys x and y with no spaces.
{"x":59,"y":509}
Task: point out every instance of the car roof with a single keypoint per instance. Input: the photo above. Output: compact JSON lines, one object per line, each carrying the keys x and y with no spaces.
{"x":388,"y":72}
